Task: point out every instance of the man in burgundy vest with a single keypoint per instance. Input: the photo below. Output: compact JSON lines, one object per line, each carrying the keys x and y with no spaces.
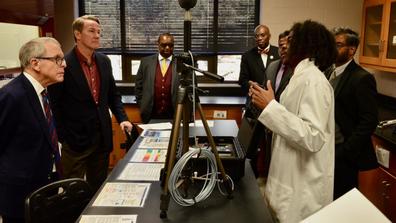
{"x":157,"y":82}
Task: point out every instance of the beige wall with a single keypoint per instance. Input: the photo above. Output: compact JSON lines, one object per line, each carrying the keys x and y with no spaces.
{"x":65,"y":12}
{"x":280,"y":15}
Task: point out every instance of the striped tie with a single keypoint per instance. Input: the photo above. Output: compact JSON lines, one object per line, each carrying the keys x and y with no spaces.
{"x":52,"y":133}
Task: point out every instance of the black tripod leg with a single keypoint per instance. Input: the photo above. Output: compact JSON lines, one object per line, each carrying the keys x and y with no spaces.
{"x":226,"y":181}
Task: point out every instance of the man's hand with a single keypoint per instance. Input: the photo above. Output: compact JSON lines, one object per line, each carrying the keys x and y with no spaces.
{"x":126,"y":125}
{"x":261,"y":97}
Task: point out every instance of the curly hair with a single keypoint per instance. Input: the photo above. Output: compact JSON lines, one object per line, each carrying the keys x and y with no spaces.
{"x":312,"y":40}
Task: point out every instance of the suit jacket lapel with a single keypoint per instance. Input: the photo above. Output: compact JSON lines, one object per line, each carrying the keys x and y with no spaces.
{"x":344,"y":78}
{"x":259,"y":61}
{"x":78,"y":74}
{"x":285,"y":79}
{"x":36,"y":106}
{"x":271,"y":55}
{"x":104,"y":82}
{"x":151,"y":73}
{"x":174,"y":77}
{"x":271,"y":72}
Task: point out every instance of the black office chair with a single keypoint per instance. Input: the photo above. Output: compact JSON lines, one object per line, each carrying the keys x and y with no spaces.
{"x":61,"y":201}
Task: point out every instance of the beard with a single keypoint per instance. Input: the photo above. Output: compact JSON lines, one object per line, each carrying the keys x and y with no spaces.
{"x":342,"y":58}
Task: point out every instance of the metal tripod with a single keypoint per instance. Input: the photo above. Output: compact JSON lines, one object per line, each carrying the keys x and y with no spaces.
{"x":183,"y":112}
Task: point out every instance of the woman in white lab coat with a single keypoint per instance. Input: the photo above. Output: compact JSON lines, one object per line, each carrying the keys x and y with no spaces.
{"x":301,"y":173}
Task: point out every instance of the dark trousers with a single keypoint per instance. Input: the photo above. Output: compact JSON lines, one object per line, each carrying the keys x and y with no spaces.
{"x":93,"y":163}
{"x":345,"y":174}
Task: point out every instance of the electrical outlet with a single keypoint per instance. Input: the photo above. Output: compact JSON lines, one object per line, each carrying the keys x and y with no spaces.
{"x":219,"y":114}
{"x":382,"y":156}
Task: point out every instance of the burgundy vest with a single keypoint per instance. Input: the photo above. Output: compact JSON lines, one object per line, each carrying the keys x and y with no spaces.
{"x":163,"y":93}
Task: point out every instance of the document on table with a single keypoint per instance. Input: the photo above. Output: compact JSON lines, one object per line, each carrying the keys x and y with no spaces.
{"x":149,"y":155}
{"x":120,"y":194}
{"x":108,"y":219}
{"x":162,"y":125}
{"x":156,"y":133}
{"x":141,"y":172}
{"x":151,"y":142}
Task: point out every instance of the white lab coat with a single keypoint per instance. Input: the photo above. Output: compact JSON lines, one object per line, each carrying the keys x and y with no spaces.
{"x":301,"y":173}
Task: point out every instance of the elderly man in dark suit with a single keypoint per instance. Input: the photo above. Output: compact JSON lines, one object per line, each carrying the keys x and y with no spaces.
{"x":356,"y":114}
{"x":28,"y":142}
{"x":81,"y":106}
{"x":157,"y":82}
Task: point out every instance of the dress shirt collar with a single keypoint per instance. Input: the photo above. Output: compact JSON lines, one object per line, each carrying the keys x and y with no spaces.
{"x":36,"y":85}
{"x":160,"y":57}
{"x":266,"y":50}
{"x":83,"y":59}
{"x":339,"y":70}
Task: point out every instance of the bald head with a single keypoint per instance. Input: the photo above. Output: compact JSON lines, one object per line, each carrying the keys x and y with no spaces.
{"x":262,"y":36}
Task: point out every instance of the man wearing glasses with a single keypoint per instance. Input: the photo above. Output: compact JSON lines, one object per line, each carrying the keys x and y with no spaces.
{"x":157,"y":82}
{"x":29,"y":148}
{"x":356,"y":115}
{"x":81,"y":106}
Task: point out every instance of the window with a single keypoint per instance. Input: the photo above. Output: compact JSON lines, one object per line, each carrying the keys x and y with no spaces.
{"x":131,"y":29}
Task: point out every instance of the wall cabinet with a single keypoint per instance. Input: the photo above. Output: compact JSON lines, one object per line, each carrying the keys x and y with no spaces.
{"x":379,"y":185}
{"x":378,"y":35}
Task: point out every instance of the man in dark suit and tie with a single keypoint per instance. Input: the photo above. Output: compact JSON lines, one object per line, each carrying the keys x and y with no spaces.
{"x":279,"y":73}
{"x":157,"y":82}
{"x":28,"y":142}
{"x":356,"y":115}
{"x":81,"y":106}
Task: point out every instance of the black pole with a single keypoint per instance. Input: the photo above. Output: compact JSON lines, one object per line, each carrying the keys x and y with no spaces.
{"x":187,"y":30}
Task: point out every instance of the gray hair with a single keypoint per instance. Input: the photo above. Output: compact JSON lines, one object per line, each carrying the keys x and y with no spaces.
{"x":352,"y":37}
{"x":34,"y":48}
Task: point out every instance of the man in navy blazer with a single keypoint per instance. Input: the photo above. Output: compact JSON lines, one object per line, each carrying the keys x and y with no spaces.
{"x":157,"y":82}
{"x":81,"y":106}
{"x":26,"y":152}
{"x":356,"y":114}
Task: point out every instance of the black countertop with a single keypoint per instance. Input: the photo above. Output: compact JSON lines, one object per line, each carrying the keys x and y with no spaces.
{"x":247,"y":204}
{"x":386,"y":111}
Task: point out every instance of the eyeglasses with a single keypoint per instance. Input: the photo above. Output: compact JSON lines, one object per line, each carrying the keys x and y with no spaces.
{"x":340,"y":45}
{"x":56,"y":59}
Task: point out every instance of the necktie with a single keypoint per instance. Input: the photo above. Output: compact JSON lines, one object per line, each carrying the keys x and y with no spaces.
{"x":52,"y":133}
{"x":279,"y":77}
{"x":164,"y":67}
{"x":262,"y":51}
